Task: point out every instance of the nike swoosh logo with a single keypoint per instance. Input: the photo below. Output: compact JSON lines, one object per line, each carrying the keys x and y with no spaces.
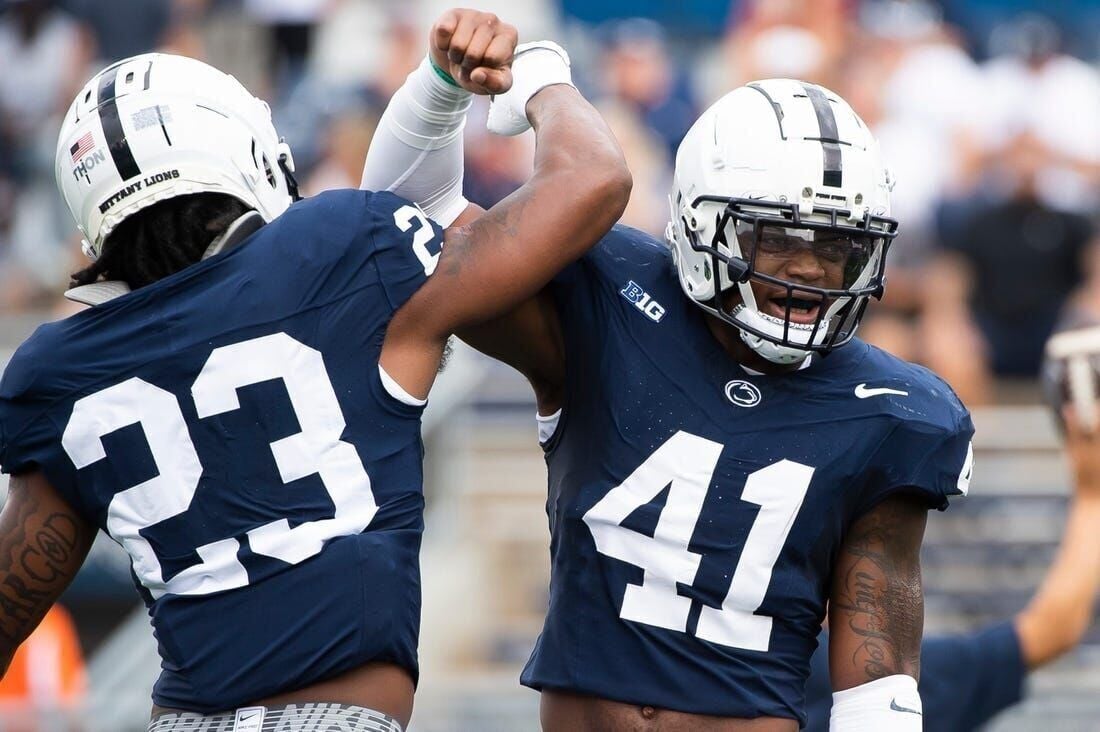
{"x":863,"y":392}
{"x":896,"y":708}
{"x":244,"y":718}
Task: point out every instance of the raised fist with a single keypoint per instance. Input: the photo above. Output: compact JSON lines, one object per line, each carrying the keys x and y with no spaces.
{"x":475,"y":48}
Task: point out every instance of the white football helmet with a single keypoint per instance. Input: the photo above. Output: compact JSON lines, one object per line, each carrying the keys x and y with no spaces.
{"x":779,"y":165}
{"x":156,"y":126}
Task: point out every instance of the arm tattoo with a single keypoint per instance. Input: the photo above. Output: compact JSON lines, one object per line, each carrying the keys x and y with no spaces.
{"x":496,"y":223}
{"x":877,"y":593}
{"x":40,"y":550}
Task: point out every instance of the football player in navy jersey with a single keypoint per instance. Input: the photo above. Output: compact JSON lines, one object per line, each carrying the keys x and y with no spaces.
{"x":240,"y":407}
{"x":968,"y":678}
{"x":727,"y":463}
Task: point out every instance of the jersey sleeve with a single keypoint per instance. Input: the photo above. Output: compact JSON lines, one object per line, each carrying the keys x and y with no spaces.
{"x":23,"y":433}
{"x":29,"y":437}
{"x":344,"y":241}
{"x":407,"y":245}
{"x":930,"y":458}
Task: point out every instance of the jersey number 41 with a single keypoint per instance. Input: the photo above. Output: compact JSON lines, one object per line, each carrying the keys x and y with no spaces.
{"x":687,"y":463}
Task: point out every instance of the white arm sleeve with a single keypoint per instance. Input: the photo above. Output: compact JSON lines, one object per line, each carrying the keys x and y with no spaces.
{"x":891,"y":703}
{"x":417,"y":150}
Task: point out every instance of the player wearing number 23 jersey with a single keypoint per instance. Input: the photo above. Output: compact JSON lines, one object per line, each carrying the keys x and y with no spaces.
{"x":229,"y":422}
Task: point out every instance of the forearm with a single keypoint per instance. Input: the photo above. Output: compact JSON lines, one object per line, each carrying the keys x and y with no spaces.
{"x":579,"y":188}
{"x":417,"y":150}
{"x":590,"y":178}
{"x":876,"y":609}
{"x":1060,"y":611}
{"x":42,"y":544}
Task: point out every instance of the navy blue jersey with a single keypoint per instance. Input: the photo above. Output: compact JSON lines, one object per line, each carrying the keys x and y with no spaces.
{"x":965,"y":679}
{"x":696,"y":508}
{"x":229,"y":427}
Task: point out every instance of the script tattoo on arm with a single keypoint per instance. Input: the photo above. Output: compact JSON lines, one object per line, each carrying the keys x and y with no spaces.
{"x":876,"y":608}
{"x":43,"y":542}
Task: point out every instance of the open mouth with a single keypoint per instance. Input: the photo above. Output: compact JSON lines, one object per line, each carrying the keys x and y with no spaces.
{"x":803,"y":310}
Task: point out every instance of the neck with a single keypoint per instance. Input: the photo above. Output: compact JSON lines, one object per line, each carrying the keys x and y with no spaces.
{"x":729,"y":337}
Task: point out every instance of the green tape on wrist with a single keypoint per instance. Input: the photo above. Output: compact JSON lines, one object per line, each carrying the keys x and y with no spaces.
{"x":443,"y":74}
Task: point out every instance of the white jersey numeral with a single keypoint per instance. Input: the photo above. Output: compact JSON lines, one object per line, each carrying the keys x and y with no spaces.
{"x":167,"y":494}
{"x":685,"y":463}
{"x":404,"y":218}
{"x":317,"y":449}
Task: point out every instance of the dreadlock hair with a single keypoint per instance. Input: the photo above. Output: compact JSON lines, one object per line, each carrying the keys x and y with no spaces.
{"x":162,"y":239}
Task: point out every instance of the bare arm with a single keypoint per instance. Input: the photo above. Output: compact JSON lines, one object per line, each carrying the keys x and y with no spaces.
{"x":876,"y":606}
{"x":578,"y":190}
{"x":42,"y":545}
{"x":1059,"y":613}
{"x":418,"y":152}
{"x":527,"y":338}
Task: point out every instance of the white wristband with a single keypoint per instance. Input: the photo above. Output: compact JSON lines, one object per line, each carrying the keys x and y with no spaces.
{"x":891,"y":703}
{"x":535,"y":66}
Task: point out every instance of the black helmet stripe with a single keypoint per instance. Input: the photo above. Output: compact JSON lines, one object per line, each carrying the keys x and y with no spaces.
{"x":112,"y":126}
{"x":776,"y":107}
{"x":829,"y":136}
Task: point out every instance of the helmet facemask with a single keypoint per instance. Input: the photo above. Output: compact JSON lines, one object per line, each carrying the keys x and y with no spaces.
{"x":751,"y":239}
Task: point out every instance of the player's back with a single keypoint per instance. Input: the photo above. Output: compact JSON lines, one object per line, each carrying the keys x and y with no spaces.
{"x":230,"y":427}
{"x":696,"y":506}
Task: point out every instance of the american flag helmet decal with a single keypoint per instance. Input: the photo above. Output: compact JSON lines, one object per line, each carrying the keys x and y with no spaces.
{"x":82,"y":146}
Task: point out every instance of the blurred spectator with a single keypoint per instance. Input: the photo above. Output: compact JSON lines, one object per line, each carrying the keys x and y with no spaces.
{"x":123,"y":28}
{"x":355,"y":42}
{"x":44,"y":687}
{"x":967,"y":679}
{"x":648,"y":103}
{"x":289,"y":25}
{"x":915,"y":86}
{"x":495,"y":166}
{"x":1009,"y":269}
{"x":344,"y":148}
{"x":1034,"y":89}
{"x":638,"y":73}
{"x":800,"y":39}
{"x":649,"y":165}
{"x":45,"y":52}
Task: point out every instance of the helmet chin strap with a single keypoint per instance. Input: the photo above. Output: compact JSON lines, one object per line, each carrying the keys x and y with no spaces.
{"x":769,"y":350}
{"x":286,"y":164}
{"x":773,"y":352}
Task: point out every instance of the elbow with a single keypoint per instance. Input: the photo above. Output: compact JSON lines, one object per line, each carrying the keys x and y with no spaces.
{"x":622,"y":184}
{"x":611,"y":184}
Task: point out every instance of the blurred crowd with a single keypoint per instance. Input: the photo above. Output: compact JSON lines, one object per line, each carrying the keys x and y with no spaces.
{"x":988,"y":114}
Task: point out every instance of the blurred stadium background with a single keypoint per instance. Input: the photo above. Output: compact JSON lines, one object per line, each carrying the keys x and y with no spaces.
{"x":989,"y":114}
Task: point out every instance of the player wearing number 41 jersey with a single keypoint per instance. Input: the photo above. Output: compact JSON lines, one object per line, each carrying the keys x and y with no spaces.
{"x":240,"y":407}
{"x":727,"y":463}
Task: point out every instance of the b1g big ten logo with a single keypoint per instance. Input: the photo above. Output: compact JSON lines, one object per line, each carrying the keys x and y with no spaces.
{"x":641,"y":299}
